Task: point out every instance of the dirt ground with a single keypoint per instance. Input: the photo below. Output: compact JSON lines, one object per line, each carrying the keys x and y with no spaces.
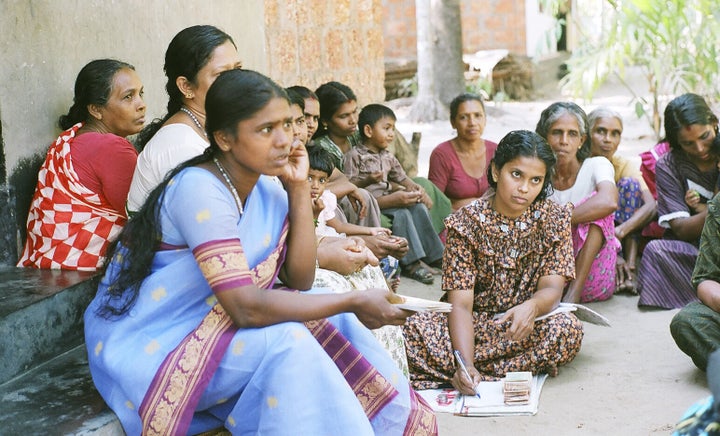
{"x":629,"y":379}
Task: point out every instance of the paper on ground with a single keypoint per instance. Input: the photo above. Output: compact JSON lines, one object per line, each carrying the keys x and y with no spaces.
{"x":491,"y":403}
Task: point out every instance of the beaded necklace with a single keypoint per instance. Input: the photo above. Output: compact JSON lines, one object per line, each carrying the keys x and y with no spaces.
{"x":230,"y":184}
{"x":194,"y":118}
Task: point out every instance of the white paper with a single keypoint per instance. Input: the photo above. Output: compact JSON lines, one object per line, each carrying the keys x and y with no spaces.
{"x":708,"y":195}
{"x":491,"y":403}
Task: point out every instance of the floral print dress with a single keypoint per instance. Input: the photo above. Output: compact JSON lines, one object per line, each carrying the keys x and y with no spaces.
{"x":501,"y":259}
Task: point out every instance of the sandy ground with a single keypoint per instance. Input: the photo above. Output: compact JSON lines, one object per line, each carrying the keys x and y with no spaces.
{"x":629,"y":379}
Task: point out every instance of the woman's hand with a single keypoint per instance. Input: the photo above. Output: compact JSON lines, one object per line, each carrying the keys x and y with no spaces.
{"x":374,"y":309}
{"x":383,"y":245}
{"x":692,"y":199}
{"x":296,"y":171}
{"x":344,"y":255}
{"x":358,"y":203}
{"x":522,"y":318}
{"x":461,"y":382}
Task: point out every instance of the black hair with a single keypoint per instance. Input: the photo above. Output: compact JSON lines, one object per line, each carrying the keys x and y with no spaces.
{"x":462,"y":98}
{"x":93,"y":85}
{"x":684,"y":111}
{"x":321,"y":160}
{"x":236,"y":95}
{"x":188,"y":52}
{"x":331,"y":96}
{"x":371,"y":114}
{"x":528,"y":144}
{"x":553,"y":113}
{"x":295,"y":98}
{"x":304,"y":92}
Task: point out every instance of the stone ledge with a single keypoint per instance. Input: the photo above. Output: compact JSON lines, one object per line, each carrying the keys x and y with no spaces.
{"x":41,"y":315}
{"x":57,"y":397}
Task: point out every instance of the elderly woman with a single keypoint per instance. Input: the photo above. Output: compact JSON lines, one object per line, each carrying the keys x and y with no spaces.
{"x":636,"y":204}
{"x":458,"y":167}
{"x":507,"y":258}
{"x":588,"y":183}
{"x":79,"y":202}
{"x":686,"y":179}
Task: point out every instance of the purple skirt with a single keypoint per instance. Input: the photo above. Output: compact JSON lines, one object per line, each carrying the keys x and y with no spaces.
{"x":664,"y":274}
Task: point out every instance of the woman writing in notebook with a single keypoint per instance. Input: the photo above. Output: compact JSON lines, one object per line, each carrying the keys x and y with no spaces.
{"x":507,"y":258}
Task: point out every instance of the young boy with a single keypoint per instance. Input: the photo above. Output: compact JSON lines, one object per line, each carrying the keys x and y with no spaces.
{"x":370,"y":166}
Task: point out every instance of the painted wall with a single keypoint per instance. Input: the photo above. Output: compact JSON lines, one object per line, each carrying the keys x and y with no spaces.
{"x":45,"y":43}
{"x":315,"y":41}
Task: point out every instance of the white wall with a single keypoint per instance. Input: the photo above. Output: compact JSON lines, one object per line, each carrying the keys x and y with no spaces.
{"x":45,"y":43}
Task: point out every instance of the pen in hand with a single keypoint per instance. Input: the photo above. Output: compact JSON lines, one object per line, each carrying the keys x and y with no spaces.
{"x":461,"y":362}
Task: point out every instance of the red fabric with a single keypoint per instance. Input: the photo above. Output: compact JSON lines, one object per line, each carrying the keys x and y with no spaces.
{"x":647,"y":168}
{"x":105,"y":164}
{"x":69,"y":225}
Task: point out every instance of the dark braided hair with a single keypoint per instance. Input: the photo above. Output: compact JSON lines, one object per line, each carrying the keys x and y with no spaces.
{"x":188,"y":52}
{"x":528,"y":144}
{"x":92,"y":86}
{"x":236,"y":95}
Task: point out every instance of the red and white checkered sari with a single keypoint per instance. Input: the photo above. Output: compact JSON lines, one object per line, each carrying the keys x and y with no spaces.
{"x":69,"y":226}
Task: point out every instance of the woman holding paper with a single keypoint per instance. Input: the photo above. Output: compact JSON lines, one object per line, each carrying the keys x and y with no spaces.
{"x":686,"y":179}
{"x":507,"y":259}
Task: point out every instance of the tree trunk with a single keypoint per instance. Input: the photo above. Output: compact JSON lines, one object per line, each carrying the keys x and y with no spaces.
{"x":427,"y":105}
{"x":447,"y":49}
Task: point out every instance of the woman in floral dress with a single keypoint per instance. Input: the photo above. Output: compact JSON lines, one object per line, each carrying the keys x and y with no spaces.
{"x":507,"y":259}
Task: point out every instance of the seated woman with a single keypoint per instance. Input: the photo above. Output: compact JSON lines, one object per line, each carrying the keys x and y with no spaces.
{"x":338,"y":133}
{"x":589,"y":184}
{"x":194,"y":57}
{"x":636,"y":204}
{"x":507,"y":258}
{"x":686,"y":179}
{"x":355,"y":205}
{"x":458,"y":166}
{"x":186,"y":333}
{"x":79,"y":201}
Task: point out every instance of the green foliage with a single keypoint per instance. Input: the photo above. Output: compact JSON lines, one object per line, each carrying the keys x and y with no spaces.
{"x":481,"y":85}
{"x":407,"y":87}
{"x":674,"y":43}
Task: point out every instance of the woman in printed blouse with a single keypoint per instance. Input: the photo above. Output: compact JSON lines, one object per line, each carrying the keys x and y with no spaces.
{"x":506,"y":261}
{"x":458,"y":166}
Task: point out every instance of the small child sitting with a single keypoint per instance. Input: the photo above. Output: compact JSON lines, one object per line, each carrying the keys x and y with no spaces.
{"x":370,"y":166}
{"x":324,"y":201}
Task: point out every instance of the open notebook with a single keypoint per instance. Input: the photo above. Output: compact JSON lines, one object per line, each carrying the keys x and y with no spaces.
{"x":490,"y":403}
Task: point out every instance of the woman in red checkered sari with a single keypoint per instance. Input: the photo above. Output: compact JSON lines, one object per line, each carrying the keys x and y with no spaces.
{"x":79,"y":200}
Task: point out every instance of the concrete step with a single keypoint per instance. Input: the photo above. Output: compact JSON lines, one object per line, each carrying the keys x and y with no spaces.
{"x":41,"y":314}
{"x":56,"y":398}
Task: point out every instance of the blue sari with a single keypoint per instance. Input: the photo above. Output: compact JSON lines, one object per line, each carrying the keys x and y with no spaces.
{"x":176,"y":364}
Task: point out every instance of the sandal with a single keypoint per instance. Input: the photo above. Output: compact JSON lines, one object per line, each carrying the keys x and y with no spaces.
{"x":419,"y":273}
{"x":432,"y":269}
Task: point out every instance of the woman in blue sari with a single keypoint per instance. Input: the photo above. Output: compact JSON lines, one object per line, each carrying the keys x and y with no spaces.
{"x":186,"y":333}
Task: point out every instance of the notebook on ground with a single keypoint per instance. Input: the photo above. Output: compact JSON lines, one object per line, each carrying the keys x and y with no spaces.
{"x":491,"y":403}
